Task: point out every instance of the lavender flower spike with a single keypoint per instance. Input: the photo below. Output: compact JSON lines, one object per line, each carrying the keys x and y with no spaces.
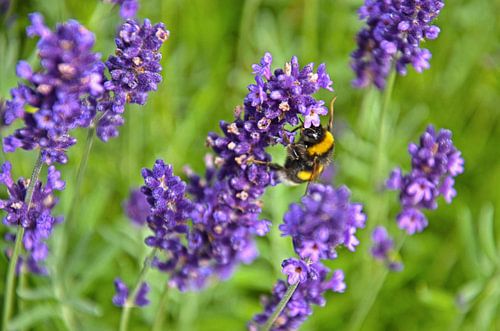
{"x":50,"y":102}
{"x":314,"y":283}
{"x":392,"y":38}
{"x":38,"y":222}
{"x":435,"y":162}
{"x":324,"y":220}
{"x":134,"y":70}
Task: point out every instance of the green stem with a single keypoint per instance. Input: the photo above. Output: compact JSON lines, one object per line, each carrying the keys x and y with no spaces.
{"x":371,"y":294}
{"x":281,"y":305}
{"x":379,"y":166}
{"x":80,"y":174}
{"x":160,"y":316}
{"x":130,"y":300}
{"x":10,"y":282}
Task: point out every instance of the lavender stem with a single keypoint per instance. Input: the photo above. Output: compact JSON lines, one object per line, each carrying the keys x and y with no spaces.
{"x":370,"y":296}
{"x":130,"y":300}
{"x":281,"y":305}
{"x":160,"y":316}
{"x":10,"y":282}
{"x":382,"y":125}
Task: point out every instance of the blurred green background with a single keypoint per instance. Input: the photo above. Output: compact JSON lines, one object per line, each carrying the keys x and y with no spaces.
{"x":451,"y":279}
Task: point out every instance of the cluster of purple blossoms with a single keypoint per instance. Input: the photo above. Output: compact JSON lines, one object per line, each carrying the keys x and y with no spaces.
{"x":134,"y":71}
{"x":392,"y":38}
{"x":36,"y":219}
{"x":435,"y":162}
{"x":278,"y":99}
{"x":324,"y":220}
{"x":213,"y":231}
{"x":310,"y":291}
{"x":50,"y":102}
{"x":128,"y":8}
{"x":383,"y":249}
{"x":122,"y":294}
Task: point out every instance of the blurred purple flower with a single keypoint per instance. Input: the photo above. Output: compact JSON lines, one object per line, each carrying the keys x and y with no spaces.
{"x":50,"y":102}
{"x":435,"y":161}
{"x":128,"y":8}
{"x":392,"y":39}
{"x":383,"y":247}
{"x":122,"y":293}
{"x":38,"y":222}
{"x":137,"y":207}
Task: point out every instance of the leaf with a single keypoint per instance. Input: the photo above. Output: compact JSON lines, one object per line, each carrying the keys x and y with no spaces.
{"x":486,"y":311}
{"x":470,"y":246}
{"x":468,"y":293}
{"x":487,"y":233}
{"x":85,"y":306}
{"x":436,"y":298}
{"x":38,"y":293}
{"x":31,"y":317}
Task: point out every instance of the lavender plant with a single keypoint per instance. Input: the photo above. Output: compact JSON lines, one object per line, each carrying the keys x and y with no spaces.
{"x":50,"y":102}
{"x":34,"y":216}
{"x":435,"y":162}
{"x":392,"y":38}
{"x":214,"y":231}
{"x":324,"y":221}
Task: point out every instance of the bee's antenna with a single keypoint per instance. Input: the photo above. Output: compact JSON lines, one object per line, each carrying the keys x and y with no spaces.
{"x":330,"y":121}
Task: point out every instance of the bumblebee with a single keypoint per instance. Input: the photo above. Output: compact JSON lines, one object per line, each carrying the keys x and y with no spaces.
{"x":307,"y":158}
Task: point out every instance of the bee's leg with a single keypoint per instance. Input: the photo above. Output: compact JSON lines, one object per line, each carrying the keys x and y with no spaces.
{"x":273,"y":166}
{"x":314,"y":174}
{"x":330,"y":121}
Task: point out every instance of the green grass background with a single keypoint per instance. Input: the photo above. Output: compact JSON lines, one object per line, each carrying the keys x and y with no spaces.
{"x":451,"y":279}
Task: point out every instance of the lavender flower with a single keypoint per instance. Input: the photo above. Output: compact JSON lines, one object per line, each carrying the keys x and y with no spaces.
{"x":213,"y":231}
{"x":310,"y":291}
{"x":323,"y":221}
{"x":134,"y":72}
{"x":392,"y":38}
{"x":38,"y":221}
{"x":137,"y":207}
{"x":383,"y":248}
{"x":128,"y":8}
{"x":278,"y":99}
{"x":50,"y":102}
{"x":435,"y":162}
{"x":122,"y":294}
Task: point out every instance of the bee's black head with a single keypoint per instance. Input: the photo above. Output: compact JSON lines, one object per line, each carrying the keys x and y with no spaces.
{"x":313,"y":134}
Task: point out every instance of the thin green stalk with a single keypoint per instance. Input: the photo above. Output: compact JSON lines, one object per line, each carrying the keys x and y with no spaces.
{"x":281,"y":305}
{"x":379,"y":166}
{"x":10,"y":282}
{"x":130,"y":300}
{"x":160,"y":315}
{"x":82,"y":167}
{"x":371,"y":294}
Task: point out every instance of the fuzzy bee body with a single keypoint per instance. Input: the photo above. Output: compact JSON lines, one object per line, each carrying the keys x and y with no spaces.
{"x":307,"y":158}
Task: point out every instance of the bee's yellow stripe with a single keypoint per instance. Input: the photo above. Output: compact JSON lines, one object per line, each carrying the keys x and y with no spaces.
{"x":323,"y":146}
{"x":304,"y":175}
{"x":309,"y":175}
